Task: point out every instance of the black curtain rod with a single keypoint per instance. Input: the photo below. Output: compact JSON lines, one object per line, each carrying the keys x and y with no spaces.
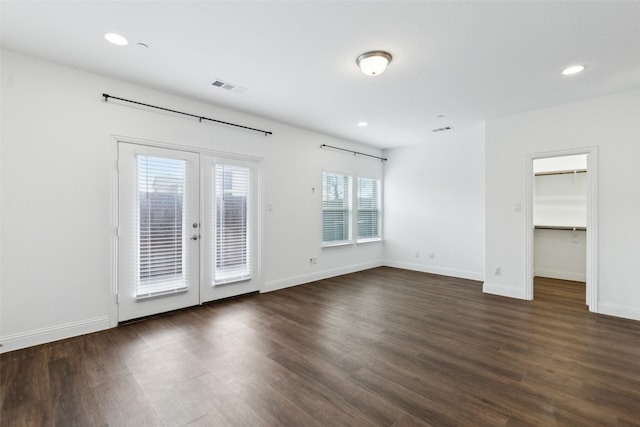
{"x":201,"y":118}
{"x":354,"y":152}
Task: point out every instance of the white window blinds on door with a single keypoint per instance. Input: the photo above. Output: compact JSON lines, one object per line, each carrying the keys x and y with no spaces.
{"x":160,"y":219}
{"x":369,"y":207}
{"x":232,"y":243}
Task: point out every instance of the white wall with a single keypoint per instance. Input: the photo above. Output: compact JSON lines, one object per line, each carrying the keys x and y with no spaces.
{"x":434,"y":201}
{"x":57,"y":177}
{"x":560,"y":200}
{"x":560,"y":164}
{"x":611,"y":123}
{"x":560,"y":254}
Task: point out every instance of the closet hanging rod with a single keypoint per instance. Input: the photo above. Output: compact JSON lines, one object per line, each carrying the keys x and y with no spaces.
{"x":553,"y":227}
{"x":200,"y":118}
{"x":354,"y":152}
{"x":565,"y":172}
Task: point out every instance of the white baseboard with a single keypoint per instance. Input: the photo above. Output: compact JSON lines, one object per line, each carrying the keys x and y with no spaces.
{"x":618,"y":310}
{"x":444,"y":271}
{"x":504,"y":291}
{"x":53,"y":333}
{"x":274,"y":285}
{"x":563,"y":275}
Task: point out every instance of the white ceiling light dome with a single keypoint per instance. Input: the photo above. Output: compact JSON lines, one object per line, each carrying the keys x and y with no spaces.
{"x":374,"y":62}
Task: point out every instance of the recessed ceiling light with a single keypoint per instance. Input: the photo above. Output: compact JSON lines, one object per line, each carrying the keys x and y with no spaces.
{"x":574,"y":69}
{"x":116,"y":39}
{"x":363,"y":124}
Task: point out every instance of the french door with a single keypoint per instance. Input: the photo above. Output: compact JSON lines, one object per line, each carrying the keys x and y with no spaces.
{"x":187,"y":229}
{"x":159,"y":227}
{"x":230,"y":240}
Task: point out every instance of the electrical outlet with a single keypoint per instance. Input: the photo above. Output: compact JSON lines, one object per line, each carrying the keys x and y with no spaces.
{"x":497,"y":271}
{"x":313,"y":260}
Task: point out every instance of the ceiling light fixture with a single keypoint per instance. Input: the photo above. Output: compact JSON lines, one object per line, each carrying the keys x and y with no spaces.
{"x":374,"y":62}
{"x":363,"y":124}
{"x":574,"y":69}
{"x":116,"y":39}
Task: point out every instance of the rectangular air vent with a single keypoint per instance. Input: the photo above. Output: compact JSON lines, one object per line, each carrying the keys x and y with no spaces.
{"x":232,"y":87}
{"x":442,"y":129}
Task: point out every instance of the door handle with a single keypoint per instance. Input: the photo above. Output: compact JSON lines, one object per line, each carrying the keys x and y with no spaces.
{"x":195,"y":237}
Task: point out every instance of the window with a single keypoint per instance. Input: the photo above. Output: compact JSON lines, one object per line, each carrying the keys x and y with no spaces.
{"x":338,"y":196}
{"x":369,"y":209}
{"x":232,"y":243}
{"x":336,"y":209}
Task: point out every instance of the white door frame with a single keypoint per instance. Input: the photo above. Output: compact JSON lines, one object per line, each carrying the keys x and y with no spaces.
{"x":592,"y":221}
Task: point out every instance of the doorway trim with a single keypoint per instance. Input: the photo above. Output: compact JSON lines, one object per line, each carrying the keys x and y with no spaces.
{"x":592,"y":221}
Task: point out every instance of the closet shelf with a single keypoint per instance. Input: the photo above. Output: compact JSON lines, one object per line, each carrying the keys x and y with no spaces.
{"x":563,"y":172}
{"x":559,"y":227}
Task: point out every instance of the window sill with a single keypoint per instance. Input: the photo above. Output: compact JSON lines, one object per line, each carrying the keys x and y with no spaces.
{"x":336,"y":244}
{"x":373,"y":239}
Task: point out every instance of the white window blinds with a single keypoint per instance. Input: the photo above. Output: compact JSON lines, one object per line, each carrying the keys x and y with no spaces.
{"x":369,"y":209}
{"x":336,"y":208}
{"x":160,"y":219}
{"x":232,"y":243}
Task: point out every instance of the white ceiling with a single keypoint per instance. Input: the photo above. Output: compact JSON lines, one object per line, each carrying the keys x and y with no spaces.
{"x":467,"y":60}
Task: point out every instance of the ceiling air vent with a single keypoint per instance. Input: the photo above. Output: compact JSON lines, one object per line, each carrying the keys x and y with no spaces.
{"x":442,"y":129}
{"x":232,"y":87}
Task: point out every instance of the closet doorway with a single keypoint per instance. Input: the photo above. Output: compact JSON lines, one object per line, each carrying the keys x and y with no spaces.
{"x":561,"y":221}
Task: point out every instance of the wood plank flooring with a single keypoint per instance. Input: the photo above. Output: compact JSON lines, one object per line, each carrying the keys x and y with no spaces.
{"x":383,"y":347}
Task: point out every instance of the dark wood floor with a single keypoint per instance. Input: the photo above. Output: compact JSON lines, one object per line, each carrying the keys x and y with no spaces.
{"x":383,"y":347}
